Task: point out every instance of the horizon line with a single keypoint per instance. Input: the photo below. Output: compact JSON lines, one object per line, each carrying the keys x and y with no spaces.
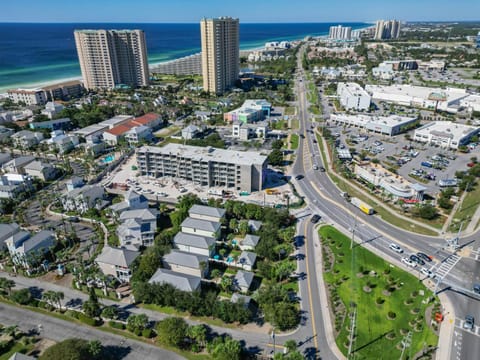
{"x":242,"y":22}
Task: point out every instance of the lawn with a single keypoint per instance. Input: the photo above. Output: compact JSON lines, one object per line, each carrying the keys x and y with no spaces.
{"x":293,"y":141}
{"x":289,"y":110}
{"x":388,"y":300}
{"x":18,"y":347}
{"x":467,"y":209}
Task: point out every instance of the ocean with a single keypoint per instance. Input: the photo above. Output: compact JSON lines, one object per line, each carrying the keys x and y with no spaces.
{"x":34,"y":53}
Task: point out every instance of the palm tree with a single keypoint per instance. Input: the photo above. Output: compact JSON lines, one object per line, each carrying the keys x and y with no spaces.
{"x":7,"y":285}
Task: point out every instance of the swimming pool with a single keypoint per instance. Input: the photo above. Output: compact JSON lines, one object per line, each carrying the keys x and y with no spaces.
{"x":108,"y":159}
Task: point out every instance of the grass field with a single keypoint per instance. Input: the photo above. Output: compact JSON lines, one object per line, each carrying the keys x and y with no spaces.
{"x":290,"y":110}
{"x":388,"y":300}
{"x":293,"y":141}
{"x":466,"y":211}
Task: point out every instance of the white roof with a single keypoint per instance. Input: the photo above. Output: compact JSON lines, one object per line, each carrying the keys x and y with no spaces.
{"x":446,"y":129}
{"x":199,"y":153}
{"x":422,"y":92}
{"x":363,"y":120}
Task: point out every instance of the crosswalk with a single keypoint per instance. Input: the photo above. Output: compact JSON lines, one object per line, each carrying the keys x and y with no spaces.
{"x":475,"y":254}
{"x":446,"y":266}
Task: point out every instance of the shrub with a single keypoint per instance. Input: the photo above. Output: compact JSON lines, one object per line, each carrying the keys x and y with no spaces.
{"x":379,"y":301}
{"x":87,"y":320}
{"x":391,"y":315}
{"x":147,"y":333}
{"x":116,"y":325}
{"x":72,"y":313}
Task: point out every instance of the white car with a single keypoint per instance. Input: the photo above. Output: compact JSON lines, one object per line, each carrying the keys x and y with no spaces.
{"x":395,"y":248}
{"x":409,"y":262}
{"x":426,"y":272}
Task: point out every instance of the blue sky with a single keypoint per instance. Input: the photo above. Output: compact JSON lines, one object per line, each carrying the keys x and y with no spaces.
{"x":246,"y":10}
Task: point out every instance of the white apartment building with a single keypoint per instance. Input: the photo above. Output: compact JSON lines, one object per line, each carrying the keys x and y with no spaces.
{"x":220,"y":53}
{"x":445,"y":134}
{"x":353,"y":97}
{"x":28,"y":96}
{"x":112,"y":57}
{"x":387,"y":29}
{"x":206,"y":166}
{"x":340,"y":32}
{"x":418,"y":96}
{"x":388,"y":125}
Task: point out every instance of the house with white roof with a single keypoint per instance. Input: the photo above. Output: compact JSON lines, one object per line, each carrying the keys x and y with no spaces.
{"x":190,"y":132}
{"x":186,"y":263}
{"x":201,"y":227}
{"x":117,"y":262}
{"x":23,"y":247}
{"x":209,"y":213}
{"x":183,"y":282}
{"x":195,"y":244}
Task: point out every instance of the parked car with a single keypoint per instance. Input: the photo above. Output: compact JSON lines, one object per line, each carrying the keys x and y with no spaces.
{"x":395,"y":248}
{"x":469,"y":323}
{"x":299,"y":177}
{"x":426,"y":272}
{"x":322,"y":169}
{"x":315,"y":167}
{"x":476,"y":288}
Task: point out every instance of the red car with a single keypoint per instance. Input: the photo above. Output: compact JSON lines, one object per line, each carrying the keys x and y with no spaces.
{"x":471,"y":164}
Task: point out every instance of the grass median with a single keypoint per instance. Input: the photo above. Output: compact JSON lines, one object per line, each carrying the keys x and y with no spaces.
{"x":390,"y":303}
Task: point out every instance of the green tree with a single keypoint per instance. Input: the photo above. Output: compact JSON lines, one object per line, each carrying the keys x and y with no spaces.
{"x":427,"y":211}
{"x":110,"y":312}
{"x":71,"y":349}
{"x":137,"y":322}
{"x":22,"y":297}
{"x":172,"y":330}
{"x":275,"y":158}
{"x":198,"y":333}
{"x":6,"y":285}
{"x":277,"y":144}
{"x":228,"y":349}
{"x":91,"y":307}
{"x":95,"y":348}
{"x":290,"y":345}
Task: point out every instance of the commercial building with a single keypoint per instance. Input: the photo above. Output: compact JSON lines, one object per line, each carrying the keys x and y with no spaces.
{"x":352,"y":96}
{"x":396,"y":186}
{"x":28,"y":96}
{"x":418,"y":96}
{"x":250,"y":111}
{"x":340,"y":32}
{"x":57,"y":124}
{"x":387,"y":29}
{"x":388,"y":125}
{"x":471,"y":103}
{"x":245,"y":131}
{"x":96,"y":130}
{"x":445,"y":134}
{"x":205,"y":166}
{"x":64,"y":90}
{"x":109,"y":58}
{"x":220,"y":53}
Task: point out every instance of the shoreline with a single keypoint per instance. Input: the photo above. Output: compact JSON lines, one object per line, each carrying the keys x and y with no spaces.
{"x":39,"y":84}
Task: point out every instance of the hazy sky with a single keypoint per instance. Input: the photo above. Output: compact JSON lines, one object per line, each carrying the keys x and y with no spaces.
{"x":246,"y":10}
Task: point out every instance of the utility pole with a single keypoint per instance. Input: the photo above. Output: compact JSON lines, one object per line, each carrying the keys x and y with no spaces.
{"x":273,"y":337}
{"x":352,"y":333}
{"x":406,"y":342}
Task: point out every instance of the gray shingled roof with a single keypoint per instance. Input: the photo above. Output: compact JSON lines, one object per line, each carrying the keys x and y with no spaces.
{"x":250,"y":240}
{"x":255,"y":224}
{"x":185,"y":259}
{"x":144,"y":214}
{"x":117,"y":256}
{"x":201,"y":224}
{"x":247,"y":258}
{"x":182,"y":282}
{"x":206,"y":210}
{"x":8,"y":229}
{"x":38,"y":240}
{"x":202,"y":242}
{"x":243,"y":278}
{"x":20,"y":356}
{"x":236,"y":297}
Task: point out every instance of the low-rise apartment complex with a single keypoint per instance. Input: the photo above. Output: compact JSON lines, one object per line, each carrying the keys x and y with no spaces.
{"x":206,"y":166}
{"x":353,"y":97}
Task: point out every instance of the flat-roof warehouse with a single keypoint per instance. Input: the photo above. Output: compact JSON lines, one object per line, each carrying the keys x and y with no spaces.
{"x":389,"y":125}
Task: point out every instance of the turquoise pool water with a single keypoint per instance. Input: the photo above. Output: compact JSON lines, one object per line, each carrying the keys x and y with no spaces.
{"x":108,"y":159}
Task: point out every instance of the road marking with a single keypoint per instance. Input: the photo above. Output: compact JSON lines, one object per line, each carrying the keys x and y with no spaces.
{"x":446,"y":266}
{"x":309,"y":277}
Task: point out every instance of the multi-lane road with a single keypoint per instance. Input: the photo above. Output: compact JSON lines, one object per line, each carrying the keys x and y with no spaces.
{"x":323,"y":197}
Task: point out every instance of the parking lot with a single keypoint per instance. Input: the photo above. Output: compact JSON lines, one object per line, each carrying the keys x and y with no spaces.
{"x":407,"y":156}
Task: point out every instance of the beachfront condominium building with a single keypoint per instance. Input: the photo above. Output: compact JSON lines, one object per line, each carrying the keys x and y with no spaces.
{"x":28,"y":96}
{"x":387,"y":29}
{"x":220,"y":53}
{"x":205,"y":166}
{"x":109,"y":58}
{"x":340,"y":32}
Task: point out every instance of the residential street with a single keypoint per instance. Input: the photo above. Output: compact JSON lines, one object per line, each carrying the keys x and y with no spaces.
{"x":58,"y":330}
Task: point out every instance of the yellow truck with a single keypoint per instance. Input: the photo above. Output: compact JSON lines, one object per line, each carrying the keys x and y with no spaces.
{"x":367,"y":209}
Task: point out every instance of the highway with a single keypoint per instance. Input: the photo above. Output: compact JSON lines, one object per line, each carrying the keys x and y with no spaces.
{"x":323,"y":198}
